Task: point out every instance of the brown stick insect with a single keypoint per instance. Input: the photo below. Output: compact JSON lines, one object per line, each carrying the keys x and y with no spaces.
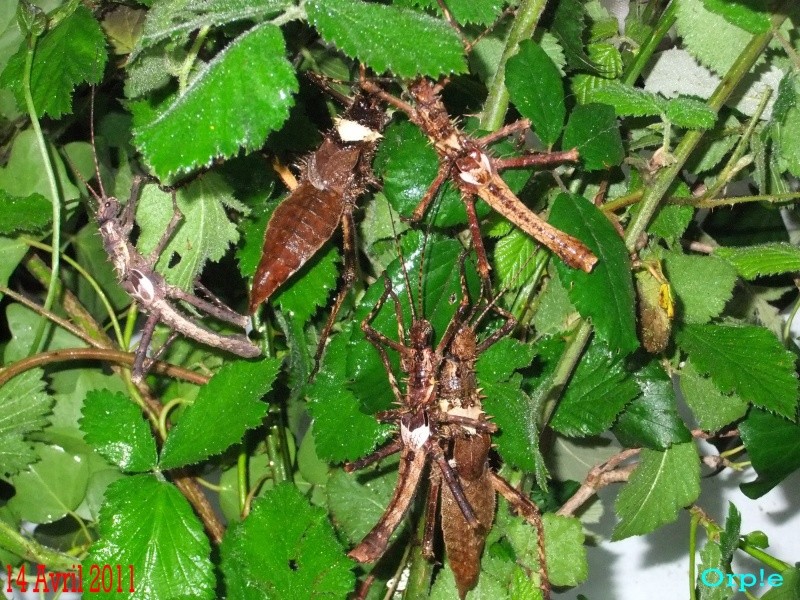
{"x":335,"y":175}
{"x":465,"y":161}
{"x":158,"y":299}
{"x":441,"y":421}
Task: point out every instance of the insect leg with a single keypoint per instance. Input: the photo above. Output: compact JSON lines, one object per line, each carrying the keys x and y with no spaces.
{"x":221,"y":312}
{"x":452,"y":481}
{"x":530,"y":512}
{"x":141,"y":363}
{"x":348,"y":279}
{"x":165,"y":237}
{"x":379,"y":454}
{"x":433,"y":188}
{"x":431,"y":508}
{"x":374,"y":544}
{"x":128,"y":215}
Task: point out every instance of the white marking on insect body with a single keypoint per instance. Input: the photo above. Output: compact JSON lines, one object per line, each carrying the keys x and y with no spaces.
{"x":142,"y":286}
{"x":351,"y":131}
{"x":417,"y":437}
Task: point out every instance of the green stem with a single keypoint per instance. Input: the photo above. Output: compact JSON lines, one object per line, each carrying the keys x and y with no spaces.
{"x":55,"y":197}
{"x":692,"y":552}
{"x":420,"y":571}
{"x":276,"y":462}
{"x":494,"y":110}
{"x":241,"y":479}
{"x":665,"y":178}
{"x":90,"y":280}
{"x":769,"y":560}
{"x":650,"y":201}
{"x":31,"y":550}
{"x":191,"y":56}
{"x":646,"y":50}
{"x":566,"y":365}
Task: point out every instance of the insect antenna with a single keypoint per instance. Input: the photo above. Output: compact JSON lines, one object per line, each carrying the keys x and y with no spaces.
{"x":94,"y":152}
{"x":402,"y":259}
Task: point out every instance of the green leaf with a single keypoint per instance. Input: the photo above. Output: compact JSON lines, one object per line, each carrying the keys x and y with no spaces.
{"x":535,"y":87}
{"x":605,"y":295}
{"x":511,"y":411}
{"x":565,"y":550}
{"x":711,"y":573}
{"x":513,"y":259}
{"x":789,"y":588}
{"x":662,"y":484}
{"x":694,"y":22}
{"x":712,"y":409}
{"x":786,"y":122}
{"x":71,"y":53}
{"x":555,"y":310}
{"x":177,"y":19}
{"x":342,"y":430}
{"x":499,"y":361}
{"x":310,"y":288}
{"x":29,"y":213}
{"x":462,"y":11}
{"x":409,"y":165}
{"x":388,"y":38}
{"x":24,"y":405}
{"x":113,"y":425}
{"x":671,"y":221}
{"x":50,"y":488}
{"x":652,"y":419}
{"x":225,"y":408}
{"x":357,"y":500}
{"x":22,"y":174}
{"x":569,"y":22}
{"x":627,"y":101}
{"x":303,"y":558}
{"x":750,"y":15}
{"x":210,"y":111}
{"x":690,"y":113}
{"x":773,"y":445}
{"x":599,"y":389}
{"x":148,"y":524}
{"x":205,"y":232}
{"x":606,"y":57}
{"x":12,"y":251}
{"x":746,"y":360}
{"x":594,"y":131}
{"x":765,"y":259}
{"x":702,"y":284}
{"x":729,"y":538}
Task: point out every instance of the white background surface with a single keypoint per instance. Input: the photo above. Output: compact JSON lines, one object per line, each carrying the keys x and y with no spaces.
{"x":656,"y":566}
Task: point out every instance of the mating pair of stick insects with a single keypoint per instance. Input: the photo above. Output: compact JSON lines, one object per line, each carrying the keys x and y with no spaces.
{"x":137,"y":275}
{"x":339,"y":171}
{"x":441,"y":422}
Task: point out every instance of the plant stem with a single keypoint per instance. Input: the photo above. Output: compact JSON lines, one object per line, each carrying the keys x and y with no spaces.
{"x":186,"y":67}
{"x":563,"y":371}
{"x":114,"y":356}
{"x":646,"y":50}
{"x":695,"y":520}
{"x":90,"y":280}
{"x":55,"y":196}
{"x":494,"y":110}
{"x":241,"y":480}
{"x":664,"y":179}
{"x":31,"y":550}
{"x":651,"y":198}
{"x":767,"y":559}
{"x":421,"y":570}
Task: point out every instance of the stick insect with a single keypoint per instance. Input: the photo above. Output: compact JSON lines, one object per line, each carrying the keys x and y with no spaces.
{"x":137,"y":275}
{"x":460,"y":398}
{"x":441,"y":421}
{"x":464,"y":160}
{"x":336,"y":174}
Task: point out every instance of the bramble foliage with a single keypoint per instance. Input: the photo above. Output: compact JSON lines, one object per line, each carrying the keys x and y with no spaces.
{"x":677,"y":333}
